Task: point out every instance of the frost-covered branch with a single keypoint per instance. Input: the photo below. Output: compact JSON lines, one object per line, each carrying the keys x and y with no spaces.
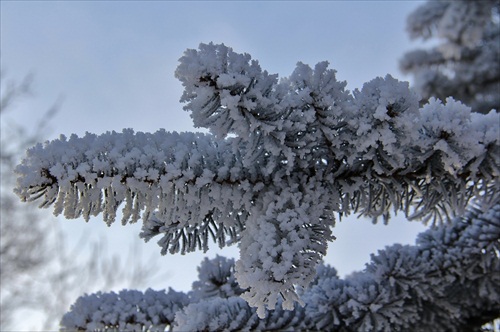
{"x":449,"y":280}
{"x":128,"y":310}
{"x":284,"y":157}
{"x":371,"y":150}
{"x":216,"y":279}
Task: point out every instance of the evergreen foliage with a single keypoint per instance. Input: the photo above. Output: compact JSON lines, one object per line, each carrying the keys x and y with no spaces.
{"x":465,"y":63}
{"x":448,"y":281}
{"x":283,"y":157}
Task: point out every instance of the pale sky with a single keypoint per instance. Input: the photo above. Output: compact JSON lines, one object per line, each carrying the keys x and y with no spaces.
{"x":113,"y":63}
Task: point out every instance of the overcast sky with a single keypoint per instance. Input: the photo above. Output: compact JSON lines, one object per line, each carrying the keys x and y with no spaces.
{"x":112,"y":64}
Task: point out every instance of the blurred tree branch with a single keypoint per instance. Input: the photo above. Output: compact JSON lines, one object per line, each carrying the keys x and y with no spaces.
{"x":37,"y":266}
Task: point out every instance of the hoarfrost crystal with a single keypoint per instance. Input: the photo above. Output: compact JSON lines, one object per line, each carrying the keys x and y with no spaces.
{"x":283,"y":157}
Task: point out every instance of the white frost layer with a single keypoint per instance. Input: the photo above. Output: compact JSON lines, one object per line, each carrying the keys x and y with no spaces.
{"x":283,"y":158}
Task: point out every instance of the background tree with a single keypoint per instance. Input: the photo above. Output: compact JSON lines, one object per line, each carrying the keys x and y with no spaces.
{"x":27,"y":251}
{"x":39,"y":272}
{"x":283,"y":158}
{"x":464,"y":62}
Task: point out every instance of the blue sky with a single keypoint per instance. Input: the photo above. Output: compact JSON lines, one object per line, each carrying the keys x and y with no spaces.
{"x":113,"y":64}
{"x":114,"y":61}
